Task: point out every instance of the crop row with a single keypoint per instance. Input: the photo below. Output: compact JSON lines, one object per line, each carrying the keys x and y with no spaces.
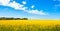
{"x":29,"y":28}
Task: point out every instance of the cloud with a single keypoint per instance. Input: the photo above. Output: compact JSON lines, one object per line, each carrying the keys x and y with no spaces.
{"x":36,"y":12}
{"x":4,"y":2}
{"x":18,"y":6}
{"x":24,"y":2}
{"x":12,"y":4}
{"x":32,"y":6}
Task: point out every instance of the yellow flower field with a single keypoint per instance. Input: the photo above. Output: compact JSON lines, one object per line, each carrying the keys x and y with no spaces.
{"x":29,"y":25}
{"x":39,"y":22}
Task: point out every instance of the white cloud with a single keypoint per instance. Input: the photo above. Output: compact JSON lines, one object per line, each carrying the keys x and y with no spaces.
{"x":12,"y":4}
{"x":4,"y":2}
{"x":18,"y":6}
{"x":36,"y":12}
{"x":23,"y":2}
{"x":32,"y":6}
{"x":15,"y":5}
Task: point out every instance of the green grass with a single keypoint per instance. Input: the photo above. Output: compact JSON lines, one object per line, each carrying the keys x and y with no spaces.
{"x":29,"y":28}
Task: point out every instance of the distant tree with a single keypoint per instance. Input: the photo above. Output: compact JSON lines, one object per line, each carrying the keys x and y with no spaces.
{"x":4,"y":18}
{"x":24,"y":18}
{"x":17,"y":18}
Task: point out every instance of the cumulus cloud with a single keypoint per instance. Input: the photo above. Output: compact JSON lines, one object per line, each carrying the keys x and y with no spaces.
{"x":12,"y":4}
{"x":4,"y":2}
{"x":18,"y":6}
{"x":23,"y":2}
{"x":36,"y":12}
{"x":32,"y":6}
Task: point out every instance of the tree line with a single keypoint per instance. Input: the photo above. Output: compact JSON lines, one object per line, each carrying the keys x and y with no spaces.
{"x":4,"y":18}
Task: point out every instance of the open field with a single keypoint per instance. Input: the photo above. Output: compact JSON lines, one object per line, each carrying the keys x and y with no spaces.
{"x":39,"y":22}
{"x":29,"y":25}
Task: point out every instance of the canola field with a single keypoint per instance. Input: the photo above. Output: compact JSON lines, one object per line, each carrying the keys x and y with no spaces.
{"x":29,"y":25}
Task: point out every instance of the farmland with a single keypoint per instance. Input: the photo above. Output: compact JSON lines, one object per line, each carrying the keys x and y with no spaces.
{"x":29,"y":25}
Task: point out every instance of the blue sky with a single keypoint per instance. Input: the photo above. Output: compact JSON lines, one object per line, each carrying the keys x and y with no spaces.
{"x":32,"y":9}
